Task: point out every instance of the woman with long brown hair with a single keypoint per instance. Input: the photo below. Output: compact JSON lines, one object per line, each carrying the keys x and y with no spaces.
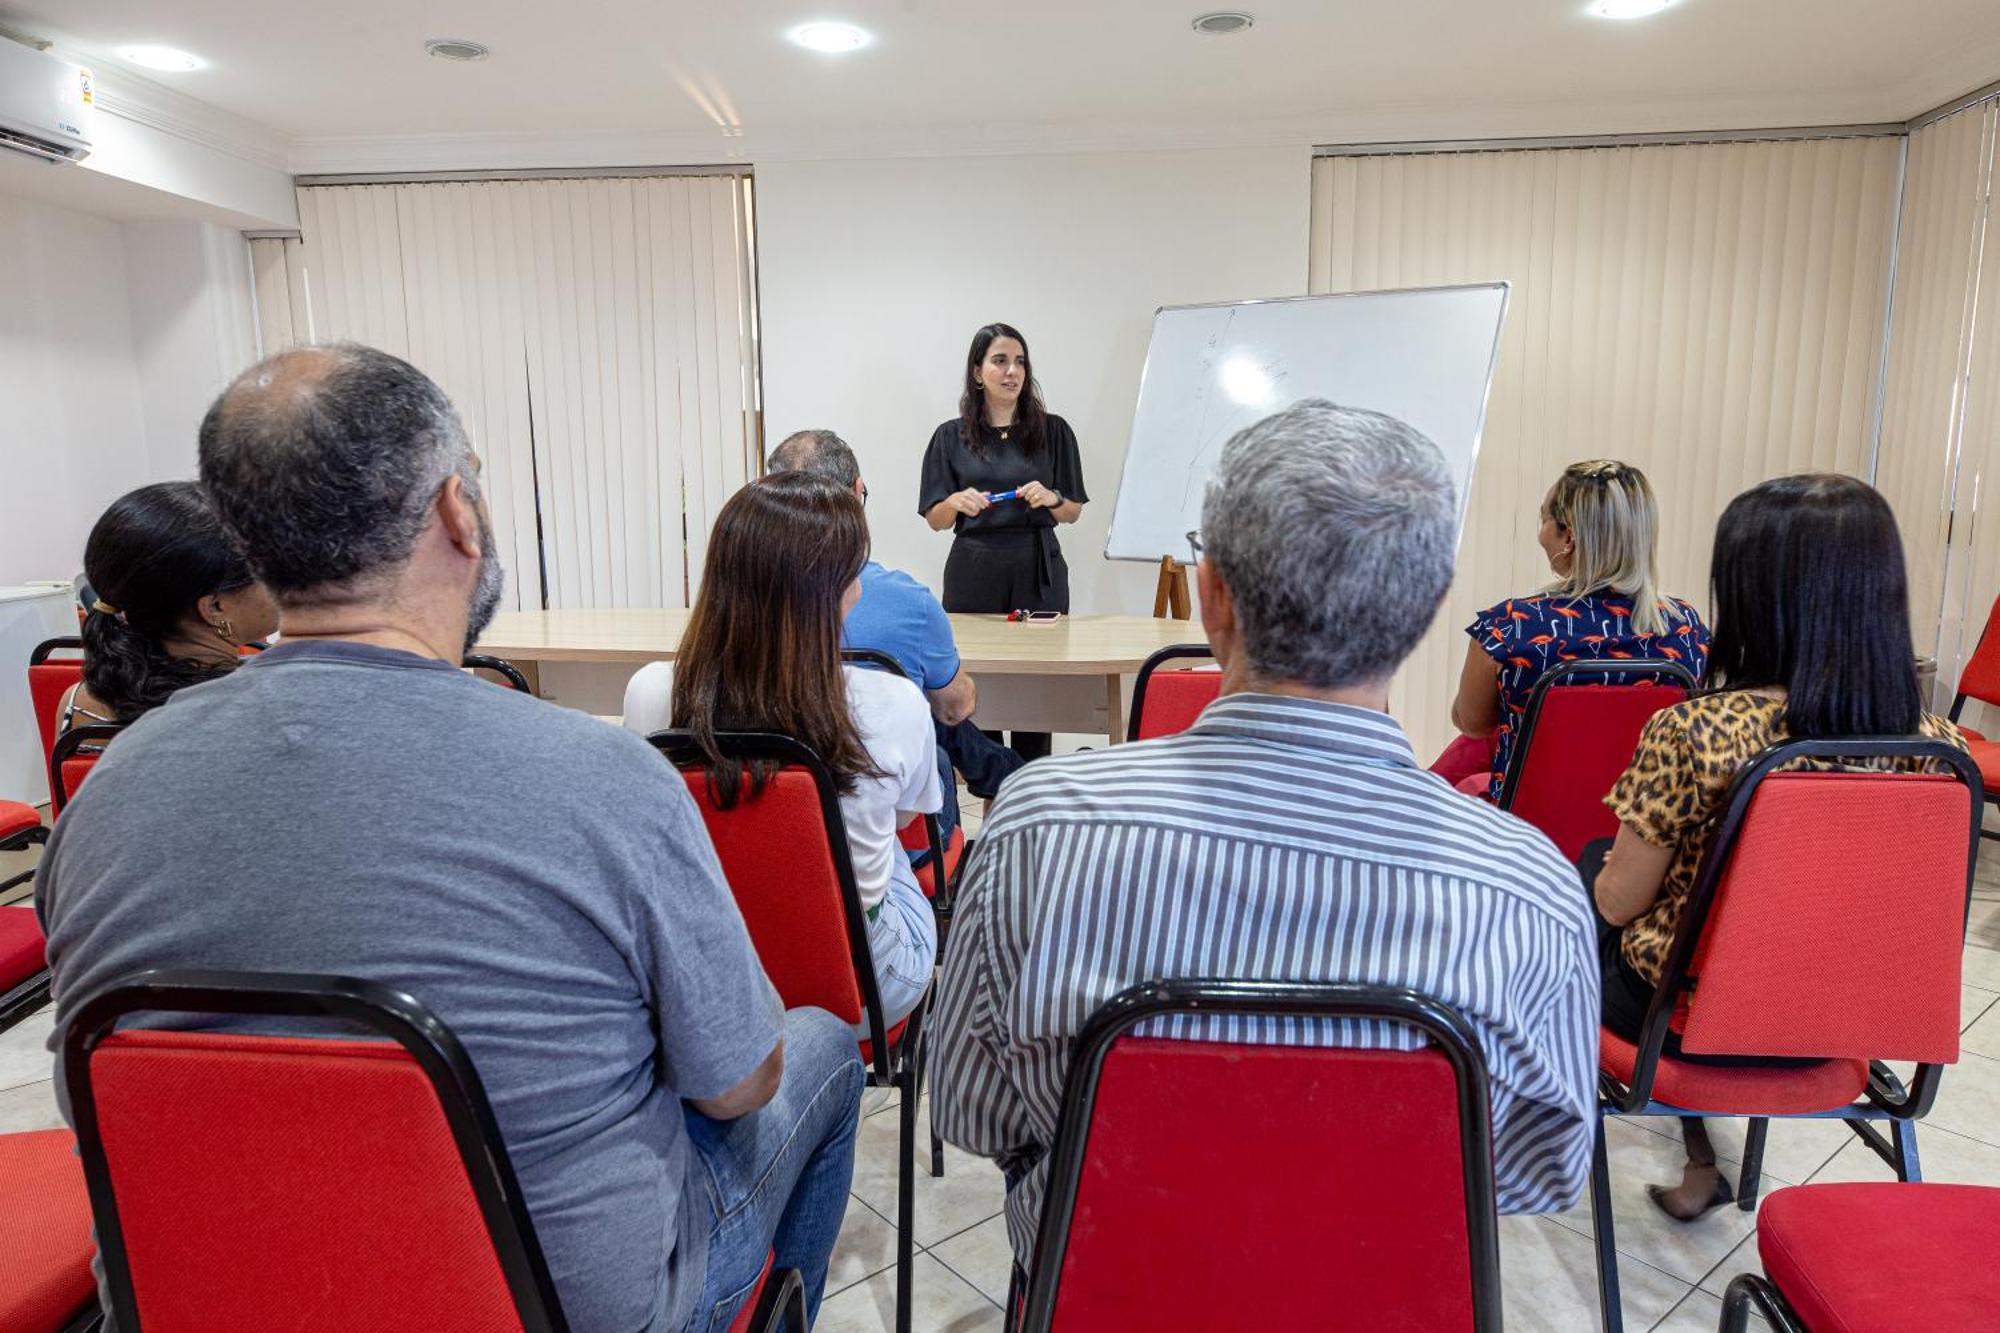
{"x":1001,"y":475}
{"x":762,"y":653}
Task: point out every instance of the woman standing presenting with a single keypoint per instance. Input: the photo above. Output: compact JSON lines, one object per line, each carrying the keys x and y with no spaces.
{"x":1004,"y":445}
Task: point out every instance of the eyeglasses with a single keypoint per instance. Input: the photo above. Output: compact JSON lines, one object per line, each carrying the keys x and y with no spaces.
{"x":1194,"y":542}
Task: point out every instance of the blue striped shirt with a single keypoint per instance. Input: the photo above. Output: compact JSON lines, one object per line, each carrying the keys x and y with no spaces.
{"x":1277,"y":839}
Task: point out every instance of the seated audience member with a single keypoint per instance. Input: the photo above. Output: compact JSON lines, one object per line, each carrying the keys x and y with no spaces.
{"x":172,"y":604}
{"x":1812,"y":639}
{"x":1291,"y":810}
{"x":898,"y":615}
{"x":351,"y":802}
{"x":762,"y":653}
{"x":1600,"y":534}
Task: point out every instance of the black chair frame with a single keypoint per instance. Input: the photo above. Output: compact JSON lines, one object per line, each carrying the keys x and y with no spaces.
{"x":1579,"y":672}
{"x":382,"y":1011}
{"x":899,"y":1067}
{"x":24,"y":997}
{"x":1748,"y":1289}
{"x":70,"y":745}
{"x":48,"y":648}
{"x":1885,"y":1098}
{"x":1171,"y":653}
{"x":1119,"y":1015}
{"x":20,"y":842}
{"x":501,"y":667}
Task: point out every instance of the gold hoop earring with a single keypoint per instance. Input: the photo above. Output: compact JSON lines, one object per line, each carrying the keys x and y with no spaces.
{"x":227,"y":630}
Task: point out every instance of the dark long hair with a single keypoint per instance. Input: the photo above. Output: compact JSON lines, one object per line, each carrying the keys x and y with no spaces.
{"x":762,"y":649}
{"x":1030,"y":417}
{"x":153,"y":555}
{"x":1810,"y":595}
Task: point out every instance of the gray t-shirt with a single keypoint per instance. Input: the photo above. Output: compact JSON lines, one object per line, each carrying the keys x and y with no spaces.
{"x":539,"y":879}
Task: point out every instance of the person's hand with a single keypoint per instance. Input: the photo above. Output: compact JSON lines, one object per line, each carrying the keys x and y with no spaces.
{"x":968,"y":502}
{"x":1038,"y":496}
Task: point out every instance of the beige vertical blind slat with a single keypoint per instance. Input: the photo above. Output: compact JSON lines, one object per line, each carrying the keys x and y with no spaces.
{"x":1709,"y":312}
{"x":596,"y":334}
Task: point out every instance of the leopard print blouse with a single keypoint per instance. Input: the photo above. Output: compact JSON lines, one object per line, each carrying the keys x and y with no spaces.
{"x":1672,"y":795}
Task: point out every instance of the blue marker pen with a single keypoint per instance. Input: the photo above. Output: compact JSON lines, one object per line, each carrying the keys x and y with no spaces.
{"x":995,"y":497}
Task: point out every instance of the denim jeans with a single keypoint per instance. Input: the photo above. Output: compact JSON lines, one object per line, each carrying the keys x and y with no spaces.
{"x":777,"y":1179}
{"x":902,"y":941}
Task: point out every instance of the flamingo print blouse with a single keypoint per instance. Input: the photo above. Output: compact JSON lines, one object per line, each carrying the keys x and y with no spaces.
{"x":1526,"y":636}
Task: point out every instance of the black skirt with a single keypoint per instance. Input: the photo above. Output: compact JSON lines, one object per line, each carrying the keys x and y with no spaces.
{"x":1009,"y":569}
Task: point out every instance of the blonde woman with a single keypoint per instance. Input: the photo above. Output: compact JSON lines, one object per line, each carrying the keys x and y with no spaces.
{"x":1599,"y":531}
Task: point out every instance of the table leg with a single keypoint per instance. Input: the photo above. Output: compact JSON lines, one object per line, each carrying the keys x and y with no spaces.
{"x":533,"y":671}
{"x":1114,"y":707}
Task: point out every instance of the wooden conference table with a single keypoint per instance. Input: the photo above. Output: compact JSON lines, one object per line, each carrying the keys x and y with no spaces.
{"x":1064,"y":675}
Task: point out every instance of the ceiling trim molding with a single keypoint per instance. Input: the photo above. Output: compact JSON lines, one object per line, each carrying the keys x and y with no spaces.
{"x":1957,"y":104}
{"x":1421,"y":147}
{"x":142,"y":101}
{"x":519,"y":174}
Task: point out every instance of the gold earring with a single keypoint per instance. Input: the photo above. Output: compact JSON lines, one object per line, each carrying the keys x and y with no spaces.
{"x":227,"y":630}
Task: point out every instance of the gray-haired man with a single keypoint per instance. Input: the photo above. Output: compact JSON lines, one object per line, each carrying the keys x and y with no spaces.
{"x":1292,"y":811}
{"x":351,"y":802}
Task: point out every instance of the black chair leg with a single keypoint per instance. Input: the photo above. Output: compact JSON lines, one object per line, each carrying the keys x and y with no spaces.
{"x":906,"y":1199}
{"x":1748,"y":1180}
{"x":937,"y":1155}
{"x":1603,"y":1230}
{"x":1907,"y":1167}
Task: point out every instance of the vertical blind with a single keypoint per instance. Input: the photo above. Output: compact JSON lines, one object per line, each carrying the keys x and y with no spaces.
{"x":1711,"y":313}
{"x":1940,"y":452}
{"x":598,"y":335}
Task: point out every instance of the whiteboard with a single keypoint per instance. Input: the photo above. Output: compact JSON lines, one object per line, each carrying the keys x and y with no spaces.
{"x":1424,"y":355}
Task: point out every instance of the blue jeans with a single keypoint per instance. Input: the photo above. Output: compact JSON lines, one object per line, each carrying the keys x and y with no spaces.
{"x":902,"y":942}
{"x":777,"y":1179}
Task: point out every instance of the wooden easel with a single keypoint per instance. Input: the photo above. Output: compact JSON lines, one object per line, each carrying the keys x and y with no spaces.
{"x":1170,"y":598}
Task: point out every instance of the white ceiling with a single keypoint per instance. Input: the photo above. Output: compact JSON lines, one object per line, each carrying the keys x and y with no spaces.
{"x":349,"y":84}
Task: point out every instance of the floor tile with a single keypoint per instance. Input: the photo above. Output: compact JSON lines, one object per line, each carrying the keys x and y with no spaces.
{"x":1982,"y":925}
{"x":1968,"y":1102}
{"x":867,"y":1245}
{"x":878,"y":1099}
{"x":30,"y":1106}
{"x":1945,"y":1158}
{"x":969,"y":1192}
{"x":1700,"y":1313}
{"x":1982,"y":1036}
{"x":1742,"y":1259}
{"x":1548,"y":1281}
{"x":24,"y":1052}
{"x":1793,"y":1149}
{"x":982,"y":1257}
{"x":1981,"y":968}
{"x":1685,"y":1250}
{"x":1973,"y":1004}
{"x":941,"y":1302}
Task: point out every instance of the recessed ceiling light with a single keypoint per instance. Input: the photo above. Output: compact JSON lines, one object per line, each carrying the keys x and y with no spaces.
{"x":1625,"y":9}
{"x":163,"y":57}
{"x":456,"y":48}
{"x":1222,"y":23}
{"x":830,"y":38}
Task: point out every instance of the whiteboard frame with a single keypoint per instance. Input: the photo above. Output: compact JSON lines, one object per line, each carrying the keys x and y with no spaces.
{"x":1506,"y":289}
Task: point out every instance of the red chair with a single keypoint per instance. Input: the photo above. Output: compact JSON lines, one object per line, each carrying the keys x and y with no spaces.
{"x":1166,"y":702}
{"x":24,"y":970}
{"x":45,"y":1234}
{"x":1200,"y":1184}
{"x":510,"y":675}
{"x":49,"y":679}
{"x":76,"y":753}
{"x":1576,"y":740}
{"x":20,"y":828}
{"x":345,"y":1183}
{"x":784,"y":852}
{"x":1980,"y":679}
{"x":1826,"y":925}
{"x":1874,"y":1256}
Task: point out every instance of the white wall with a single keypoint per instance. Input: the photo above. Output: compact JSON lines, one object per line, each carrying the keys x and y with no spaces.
{"x":192,"y":331}
{"x":72,"y":431}
{"x":873,"y":275}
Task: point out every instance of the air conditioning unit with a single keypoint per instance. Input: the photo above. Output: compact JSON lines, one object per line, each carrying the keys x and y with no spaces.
{"x":47,"y":107}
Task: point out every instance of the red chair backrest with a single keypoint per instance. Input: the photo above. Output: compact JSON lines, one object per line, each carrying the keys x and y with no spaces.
{"x":1581,"y":741}
{"x":1838,"y":923}
{"x":1240,"y":1186}
{"x":300,"y":1183}
{"x":48,"y":682}
{"x":776,"y":852}
{"x":22,"y":947}
{"x":1173,"y":700}
{"x":1980,"y":677}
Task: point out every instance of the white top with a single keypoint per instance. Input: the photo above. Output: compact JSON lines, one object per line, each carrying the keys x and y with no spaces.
{"x":895,"y":726}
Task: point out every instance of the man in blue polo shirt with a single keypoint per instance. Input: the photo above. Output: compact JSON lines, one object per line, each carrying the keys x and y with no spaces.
{"x":898,"y":615}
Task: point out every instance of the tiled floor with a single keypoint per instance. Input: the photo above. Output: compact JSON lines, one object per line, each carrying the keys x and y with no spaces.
{"x":1673,"y":1275}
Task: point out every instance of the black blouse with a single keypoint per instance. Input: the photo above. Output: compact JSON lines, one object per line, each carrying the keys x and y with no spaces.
{"x":950,"y":467}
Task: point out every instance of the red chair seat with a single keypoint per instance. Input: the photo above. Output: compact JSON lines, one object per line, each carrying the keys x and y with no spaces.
{"x":1986,"y":754}
{"x":742,"y":1322}
{"x":1739,"y":1091}
{"x":16,"y":819}
{"x":21,"y":956}
{"x":895,"y":1036}
{"x":44,"y":1232}
{"x":1869,"y":1257}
